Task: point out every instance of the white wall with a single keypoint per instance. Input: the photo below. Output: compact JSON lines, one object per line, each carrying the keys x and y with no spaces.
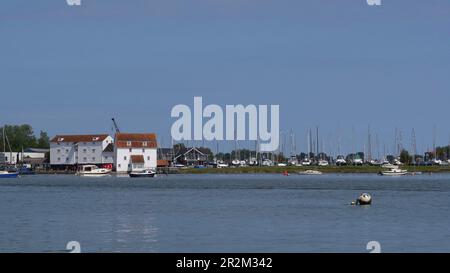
{"x":65,"y":153}
{"x":15,"y":157}
{"x":123,"y":158}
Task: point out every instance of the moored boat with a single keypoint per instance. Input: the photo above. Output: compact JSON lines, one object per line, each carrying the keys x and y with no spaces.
{"x":142,"y":173}
{"x":311,"y":172}
{"x":394,"y":172}
{"x":92,"y":171}
{"x":6,"y":174}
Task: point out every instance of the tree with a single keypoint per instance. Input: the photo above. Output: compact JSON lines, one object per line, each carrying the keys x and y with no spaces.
{"x":43,"y":141}
{"x":405,"y":158}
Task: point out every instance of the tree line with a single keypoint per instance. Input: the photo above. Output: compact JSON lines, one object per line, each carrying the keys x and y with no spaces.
{"x":22,"y":137}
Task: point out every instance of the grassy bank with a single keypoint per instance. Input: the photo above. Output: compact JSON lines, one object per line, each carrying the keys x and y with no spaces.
{"x":328,"y":169}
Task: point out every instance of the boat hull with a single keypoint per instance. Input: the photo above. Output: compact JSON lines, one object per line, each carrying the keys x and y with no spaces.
{"x":142,"y":175}
{"x":393,"y":174}
{"x":9,"y":175}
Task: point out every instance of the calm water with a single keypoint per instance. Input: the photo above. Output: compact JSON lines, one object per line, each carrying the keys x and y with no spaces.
{"x":225,"y":213}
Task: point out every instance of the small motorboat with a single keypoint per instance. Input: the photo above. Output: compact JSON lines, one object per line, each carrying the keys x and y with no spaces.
{"x":92,"y":171}
{"x":311,"y":172}
{"x":6,"y":174}
{"x":143,"y":173}
{"x":395,"y":171}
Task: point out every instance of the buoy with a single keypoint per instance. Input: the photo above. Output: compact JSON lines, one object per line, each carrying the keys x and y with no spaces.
{"x":364,"y":199}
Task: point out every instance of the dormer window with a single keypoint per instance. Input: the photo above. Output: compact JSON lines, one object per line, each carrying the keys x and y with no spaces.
{"x":128,"y":143}
{"x":95,"y":138}
{"x":145,"y":144}
{"x":60,"y":139}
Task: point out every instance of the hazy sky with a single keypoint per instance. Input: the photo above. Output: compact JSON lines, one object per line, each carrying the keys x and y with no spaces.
{"x":336,"y":64}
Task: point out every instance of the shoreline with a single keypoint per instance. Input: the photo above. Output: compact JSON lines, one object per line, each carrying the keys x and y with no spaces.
{"x":276,"y":169}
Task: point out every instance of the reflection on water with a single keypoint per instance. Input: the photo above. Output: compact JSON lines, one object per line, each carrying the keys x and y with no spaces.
{"x":224,"y":213}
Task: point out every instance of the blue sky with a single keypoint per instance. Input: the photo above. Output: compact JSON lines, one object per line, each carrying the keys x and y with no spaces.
{"x":335,"y":64}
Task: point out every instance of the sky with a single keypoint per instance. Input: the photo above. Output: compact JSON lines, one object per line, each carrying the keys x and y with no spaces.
{"x":340,"y":65}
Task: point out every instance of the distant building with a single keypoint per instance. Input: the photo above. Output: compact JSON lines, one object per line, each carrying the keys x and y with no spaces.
{"x":135,"y":152}
{"x":72,"y":150}
{"x":191,"y":156}
{"x":14,"y":158}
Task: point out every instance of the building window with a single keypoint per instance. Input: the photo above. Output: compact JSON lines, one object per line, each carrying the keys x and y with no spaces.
{"x":58,"y":151}
{"x":84,"y":159}
{"x":59,"y":158}
{"x":130,"y":150}
{"x":148,"y":158}
{"x":93,"y":159}
{"x":67,"y":159}
{"x":67,"y":150}
{"x":84,"y":150}
{"x":128,"y":143}
{"x":93,"y":150}
{"x":124,"y":158}
{"x":143,"y":150}
{"x":119,"y":165}
{"x":144,"y":143}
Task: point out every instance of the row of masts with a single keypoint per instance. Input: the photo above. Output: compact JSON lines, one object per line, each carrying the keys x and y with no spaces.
{"x":372,"y":148}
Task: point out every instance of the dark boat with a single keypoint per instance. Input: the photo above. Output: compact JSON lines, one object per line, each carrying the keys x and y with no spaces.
{"x":26,"y":171}
{"x":144,"y":173}
{"x":6,"y":174}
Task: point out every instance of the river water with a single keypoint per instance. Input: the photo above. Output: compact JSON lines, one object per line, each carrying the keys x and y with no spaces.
{"x":225,"y":213}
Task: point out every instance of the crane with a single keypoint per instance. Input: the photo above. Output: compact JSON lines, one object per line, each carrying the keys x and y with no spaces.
{"x":115,"y":125}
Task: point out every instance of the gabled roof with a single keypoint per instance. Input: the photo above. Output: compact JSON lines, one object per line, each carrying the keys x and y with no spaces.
{"x":135,"y":137}
{"x":125,"y":140}
{"x":189,"y":150}
{"x":79,"y":138}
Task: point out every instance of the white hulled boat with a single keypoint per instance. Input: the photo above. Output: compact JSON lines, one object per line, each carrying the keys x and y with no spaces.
{"x":92,"y":171}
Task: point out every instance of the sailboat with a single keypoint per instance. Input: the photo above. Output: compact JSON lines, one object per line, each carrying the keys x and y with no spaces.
{"x":5,"y":173}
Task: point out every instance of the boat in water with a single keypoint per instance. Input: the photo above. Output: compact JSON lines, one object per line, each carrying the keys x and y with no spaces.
{"x":311,"y":172}
{"x":142,"y":173}
{"x":26,"y":171}
{"x":92,"y":171}
{"x":394,"y":172}
{"x":6,"y":174}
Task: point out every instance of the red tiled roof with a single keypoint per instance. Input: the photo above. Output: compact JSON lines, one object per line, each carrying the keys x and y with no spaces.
{"x":137,"y":159}
{"x":124,"y":140}
{"x":79,"y":138}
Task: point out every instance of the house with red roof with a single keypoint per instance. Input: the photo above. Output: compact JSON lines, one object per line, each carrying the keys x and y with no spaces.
{"x":67,"y":151}
{"x":135,"y":152}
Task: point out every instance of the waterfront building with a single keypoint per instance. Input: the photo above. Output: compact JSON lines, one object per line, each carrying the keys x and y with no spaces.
{"x":14,"y":158}
{"x":135,"y":152}
{"x":191,"y":156}
{"x":67,"y":151}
